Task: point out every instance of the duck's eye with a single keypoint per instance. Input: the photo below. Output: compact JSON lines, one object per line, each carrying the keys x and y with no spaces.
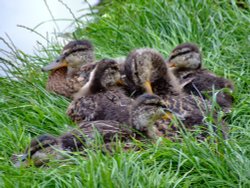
{"x":112,"y":72}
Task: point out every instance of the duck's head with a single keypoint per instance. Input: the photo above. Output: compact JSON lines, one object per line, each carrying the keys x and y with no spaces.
{"x":143,"y":66}
{"x":39,"y":152}
{"x":185,"y":56}
{"x":106,"y":74}
{"x":73,"y":56}
{"x":146,"y":111}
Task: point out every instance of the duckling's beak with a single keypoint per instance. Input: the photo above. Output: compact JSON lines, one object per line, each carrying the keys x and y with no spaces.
{"x":120,"y":82}
{"x":148,"y":87}
{"x":171,"y":64}
{"x":167,"y":115}
{"x":58,"y":63}
{"x":20,"y":159}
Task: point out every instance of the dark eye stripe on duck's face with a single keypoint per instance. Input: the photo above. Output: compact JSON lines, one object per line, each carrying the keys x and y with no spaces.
{"x":150,"y":100}
{"x":183,"y":49}
{"x":180,"y":53}
{"x":79,"y":44}
{"x":72,"y":51}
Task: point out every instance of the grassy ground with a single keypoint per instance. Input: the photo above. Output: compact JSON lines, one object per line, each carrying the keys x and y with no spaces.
{"x":222,"y":31}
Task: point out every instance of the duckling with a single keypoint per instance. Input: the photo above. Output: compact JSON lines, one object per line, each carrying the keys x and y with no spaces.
{"x":46,"y":147}
{"x":185,"y":62}
{"x":145,"y":70}
{"x":101,"y":98}
{"x":39,"y":152}
{"x":65,"y":78}
{"x":146,"y":110}
{"x":154,"y":116}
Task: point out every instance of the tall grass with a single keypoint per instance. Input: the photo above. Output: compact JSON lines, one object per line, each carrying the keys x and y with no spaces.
{"x":221,"y":29}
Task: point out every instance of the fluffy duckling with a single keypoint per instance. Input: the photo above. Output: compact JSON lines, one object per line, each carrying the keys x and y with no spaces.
{"x":65,"y":78}
{"x":186,"y":64}
{"x":101,"y":98}
{"x":145,"y":70}
{"x":146,"y":110}
{"x":46,"y":147}
{"x":39,"y":152}
{"x":154,"y":116}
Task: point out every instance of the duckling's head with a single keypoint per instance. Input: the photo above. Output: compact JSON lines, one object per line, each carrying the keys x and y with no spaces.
{"x":73,"y":56}
{"x":146,"y":110}
{"x":38,"y":152}
{"x":105,"y":75}
{"x":185,"y":56}
{"x":142,"y":67}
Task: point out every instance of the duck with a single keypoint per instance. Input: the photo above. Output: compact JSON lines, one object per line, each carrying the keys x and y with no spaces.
{"x":45,"y":148}
{"x":141,"y":68}
{"x":102,"y":97}
{"x":39,"y":152}
{"x":156,"y":117}
{"x":145,"y":71}
{"x":66,"y":76}
{"x":185,"y":62}
{"x":149,"y":117}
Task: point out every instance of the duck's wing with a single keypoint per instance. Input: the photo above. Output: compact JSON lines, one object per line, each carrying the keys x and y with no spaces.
{"x":60,"y":84}
{"x":116,"y":106}
{"x":88,"y":132}
{"x":83,"y":109}
{"x":40,"y":150}
{"x":188,"y":108}
{"x":109,"y":105}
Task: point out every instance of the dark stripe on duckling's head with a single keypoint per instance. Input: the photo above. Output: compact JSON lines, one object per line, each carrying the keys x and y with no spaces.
{"x":146,"y":112}
{"x":149,"y":99}
{"x":78,"y":45}
{"x":186,"y":47}
{"x":74,"y":55}
{"x":185,"y":55}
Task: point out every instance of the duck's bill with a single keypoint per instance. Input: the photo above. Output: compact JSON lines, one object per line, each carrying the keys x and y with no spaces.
{"x":170,"y":64}
{"x":19,"y":160}
{"x":58,"y":63}
{"x":148,"y":87}
{"x":167,"y":115}
{"x":120,"y":82}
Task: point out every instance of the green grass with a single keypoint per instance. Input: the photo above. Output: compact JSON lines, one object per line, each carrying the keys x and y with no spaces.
{"x":27,"y":109}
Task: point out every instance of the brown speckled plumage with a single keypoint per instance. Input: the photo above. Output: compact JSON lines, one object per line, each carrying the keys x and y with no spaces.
{"x":46,"y":147}
{"x":60,"y":84}
{"x":101,"y":98}
{"x":187,"y":62}
{"x":191,"y":110}
{"x":148,"y":115}
{"x":108,"y":105}
{"x":67,"y":76}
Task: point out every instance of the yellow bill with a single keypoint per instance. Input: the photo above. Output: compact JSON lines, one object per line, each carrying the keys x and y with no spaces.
{"x":168,"y":115}
{"x":171,"y":64}
{"x":58,"y":63}
{"x":148,"y":87}
{"x":120,"y":82}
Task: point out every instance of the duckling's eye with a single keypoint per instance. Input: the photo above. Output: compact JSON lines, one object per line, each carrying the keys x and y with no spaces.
{"x":112,"y":72}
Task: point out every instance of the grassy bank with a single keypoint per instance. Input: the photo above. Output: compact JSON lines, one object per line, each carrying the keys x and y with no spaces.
{"x":27,"y":109}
